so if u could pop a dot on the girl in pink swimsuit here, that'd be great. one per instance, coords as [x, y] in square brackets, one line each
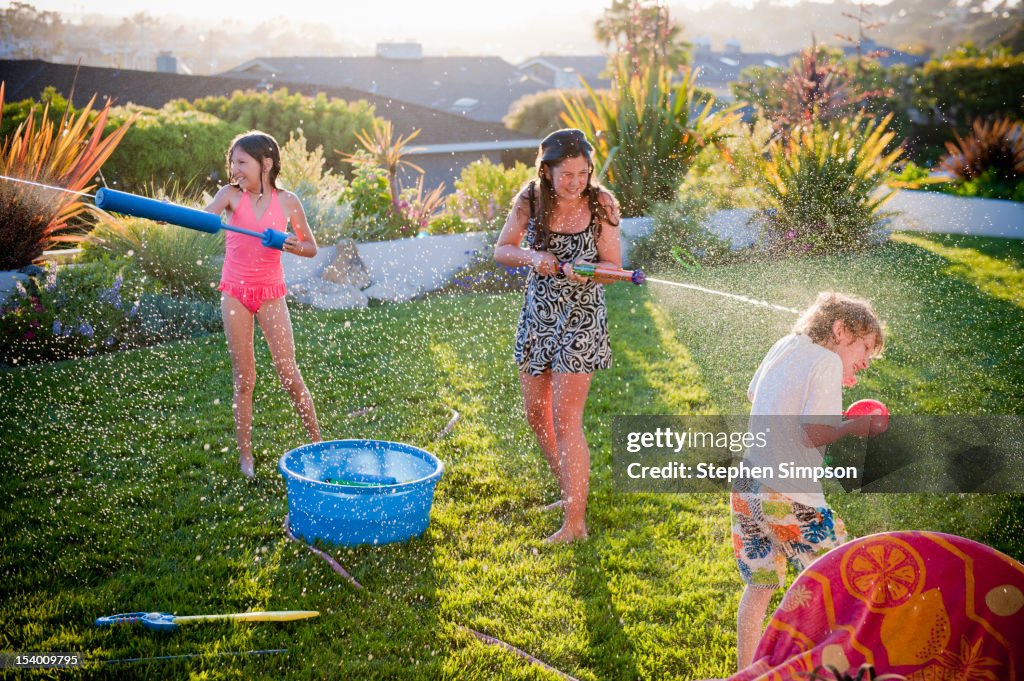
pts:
[252, 280]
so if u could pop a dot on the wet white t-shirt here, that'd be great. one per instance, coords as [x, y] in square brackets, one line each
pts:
[796, 378]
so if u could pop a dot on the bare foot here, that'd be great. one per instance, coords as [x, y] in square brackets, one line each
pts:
[566, 536]
[248, 466]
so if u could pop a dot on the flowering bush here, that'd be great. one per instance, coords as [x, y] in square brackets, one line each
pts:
[419, 207]
[90, 309]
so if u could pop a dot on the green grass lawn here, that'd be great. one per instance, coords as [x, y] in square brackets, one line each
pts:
[122, 493]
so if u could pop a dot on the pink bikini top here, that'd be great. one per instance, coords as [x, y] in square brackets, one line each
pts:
[246, 261]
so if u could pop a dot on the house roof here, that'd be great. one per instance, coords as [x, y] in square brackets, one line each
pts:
[28, 78]
[589, 66]
[718, 69]
[436, 82]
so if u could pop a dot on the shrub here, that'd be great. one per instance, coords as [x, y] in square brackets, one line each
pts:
[168, 145]
[418, 207]
[484, 192]
[163, 318]
[369, 196]
[957, 90]
[326, 122]
[647, 130]
[539, 113]
[68, 155]
[381, 207]
[184, 262]
[15, 113]
[319, 190]
[94, 308]
[823, 187]
[450, 223]
[679, 239]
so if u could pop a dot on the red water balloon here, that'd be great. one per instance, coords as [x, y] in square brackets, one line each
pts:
[866, 408]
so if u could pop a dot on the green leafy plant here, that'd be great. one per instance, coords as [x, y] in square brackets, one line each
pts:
[15, 113]
[722, 184]
[166, 145]
[66, 155]
[647, 130]
[484, 191]
[955, 90]
[386, 150]
[326, 121]
[823, 187]
[95, 307]
[162, 318]
[381, 207]
[369, 196]
[450, 223]
[538, 113]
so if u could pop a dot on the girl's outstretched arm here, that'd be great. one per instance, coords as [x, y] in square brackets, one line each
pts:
[302, 243]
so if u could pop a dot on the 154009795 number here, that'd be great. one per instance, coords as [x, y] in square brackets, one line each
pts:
[39, 660]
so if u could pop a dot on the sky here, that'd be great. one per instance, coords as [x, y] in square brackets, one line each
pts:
[373, 15]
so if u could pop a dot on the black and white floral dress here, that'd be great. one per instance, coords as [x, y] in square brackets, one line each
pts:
[563, 326]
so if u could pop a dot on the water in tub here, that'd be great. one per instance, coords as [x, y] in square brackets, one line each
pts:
[363, 466]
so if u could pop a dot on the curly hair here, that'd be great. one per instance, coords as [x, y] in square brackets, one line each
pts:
[854, 312]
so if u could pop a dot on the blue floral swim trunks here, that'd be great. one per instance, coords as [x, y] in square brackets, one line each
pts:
[770, 529]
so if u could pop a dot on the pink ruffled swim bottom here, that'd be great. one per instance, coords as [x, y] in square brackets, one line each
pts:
[253, 296]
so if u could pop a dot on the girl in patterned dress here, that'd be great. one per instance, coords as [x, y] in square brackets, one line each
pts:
[562, 337]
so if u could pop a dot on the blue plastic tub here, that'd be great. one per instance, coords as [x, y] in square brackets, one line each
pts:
[351, 492]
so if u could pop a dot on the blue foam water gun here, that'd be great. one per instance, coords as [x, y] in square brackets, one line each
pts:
[124, 203]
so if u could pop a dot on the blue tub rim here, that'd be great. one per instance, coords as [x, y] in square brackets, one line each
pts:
[289, 474]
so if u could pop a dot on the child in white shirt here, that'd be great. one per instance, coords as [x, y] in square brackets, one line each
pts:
[778, 521]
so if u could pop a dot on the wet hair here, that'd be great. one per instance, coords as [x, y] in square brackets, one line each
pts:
[554, 149]
[855, 312]
[260, 146]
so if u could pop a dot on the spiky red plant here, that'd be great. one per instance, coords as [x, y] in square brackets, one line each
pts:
[996, 145]
[67, 155]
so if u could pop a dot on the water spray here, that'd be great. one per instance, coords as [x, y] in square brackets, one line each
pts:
[638, 277]
[733, 296]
